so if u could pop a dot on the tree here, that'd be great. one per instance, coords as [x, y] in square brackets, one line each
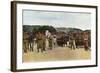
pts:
[50, 28]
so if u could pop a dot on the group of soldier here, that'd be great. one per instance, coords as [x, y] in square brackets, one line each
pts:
[43, 41]
[48, 41]
[84, 41]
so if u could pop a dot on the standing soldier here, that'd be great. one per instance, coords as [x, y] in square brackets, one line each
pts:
[50, 41]
[54, 41]
[25, 41]
[72, 41]
[40, 41]
[31, 40]
[85, 40]
[44, 41]
[47, 39]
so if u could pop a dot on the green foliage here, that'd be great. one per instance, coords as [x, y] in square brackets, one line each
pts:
[50, 28]
[36, 28]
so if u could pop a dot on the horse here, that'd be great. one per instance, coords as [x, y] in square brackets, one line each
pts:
[62, 41]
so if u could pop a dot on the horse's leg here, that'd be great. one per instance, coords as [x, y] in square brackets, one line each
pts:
[29, 46]
[74, 46]
[37, 49]
[32, 46]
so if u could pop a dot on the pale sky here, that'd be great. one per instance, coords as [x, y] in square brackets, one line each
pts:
[57, 19]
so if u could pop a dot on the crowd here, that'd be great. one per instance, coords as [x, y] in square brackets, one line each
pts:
[43, 41]
[48, 41]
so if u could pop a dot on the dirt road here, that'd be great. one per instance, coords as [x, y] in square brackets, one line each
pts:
[59, 53]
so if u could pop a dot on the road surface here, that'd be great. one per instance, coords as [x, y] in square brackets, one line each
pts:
[57, 54]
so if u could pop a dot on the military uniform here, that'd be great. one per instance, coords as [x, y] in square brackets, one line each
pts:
[40, 42]
[50, 42]
[31, 41]
[72, 42]
[85, 37]
[25, 42]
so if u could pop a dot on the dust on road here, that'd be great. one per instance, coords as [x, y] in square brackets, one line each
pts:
[57, 54]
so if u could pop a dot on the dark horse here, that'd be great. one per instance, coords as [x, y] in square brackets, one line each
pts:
[62, 41]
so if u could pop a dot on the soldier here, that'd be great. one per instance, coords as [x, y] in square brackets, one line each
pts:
[50, 41]
[85, 40]
[72, 42]
[47, 39]
[40, 41]
[54, 41]
[44, 41]
[31, 40]
[25, 41]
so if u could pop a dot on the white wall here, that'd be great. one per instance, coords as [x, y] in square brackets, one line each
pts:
[5, 37]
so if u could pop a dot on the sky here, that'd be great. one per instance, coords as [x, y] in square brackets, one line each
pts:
[57, 19]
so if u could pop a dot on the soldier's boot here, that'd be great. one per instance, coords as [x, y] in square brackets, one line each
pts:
[86, 49]
[44, 49]
[25, 51]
